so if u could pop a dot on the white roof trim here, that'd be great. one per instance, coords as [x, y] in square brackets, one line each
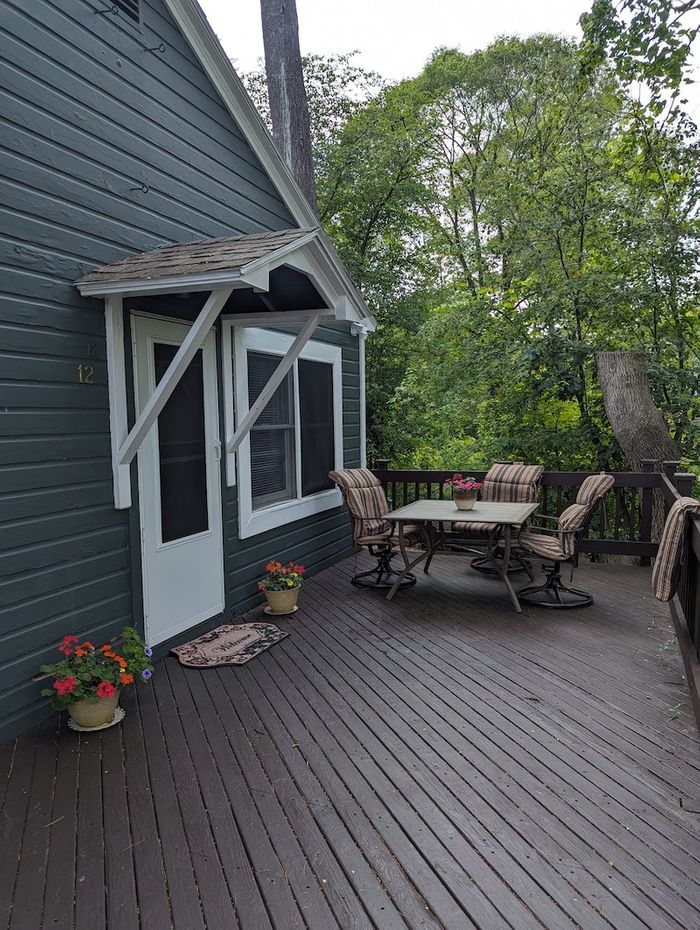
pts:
[196, 29]
[306, 254]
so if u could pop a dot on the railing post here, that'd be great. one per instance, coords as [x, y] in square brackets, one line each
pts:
[390, 491]
[647, 508]
[684, 482]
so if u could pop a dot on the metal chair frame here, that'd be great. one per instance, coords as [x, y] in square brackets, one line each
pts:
[553, 593]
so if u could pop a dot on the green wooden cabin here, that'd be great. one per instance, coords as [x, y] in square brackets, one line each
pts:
[159, 268]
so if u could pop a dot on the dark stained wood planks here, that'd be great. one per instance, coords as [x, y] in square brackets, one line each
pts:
[436, 763]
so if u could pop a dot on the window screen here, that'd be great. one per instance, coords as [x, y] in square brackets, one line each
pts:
[272, 448]
[182, 450]
[317, 428]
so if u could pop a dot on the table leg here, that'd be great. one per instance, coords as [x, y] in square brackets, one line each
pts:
[409, 565]
[503, 568]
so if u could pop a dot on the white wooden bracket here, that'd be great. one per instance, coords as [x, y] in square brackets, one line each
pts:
[174, 372]
[277, 377]
[116, 383]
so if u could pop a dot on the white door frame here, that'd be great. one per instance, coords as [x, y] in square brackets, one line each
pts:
[158, 558]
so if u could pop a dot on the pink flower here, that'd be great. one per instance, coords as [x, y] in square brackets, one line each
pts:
[106, 689]
[65, 685]
[66, 646]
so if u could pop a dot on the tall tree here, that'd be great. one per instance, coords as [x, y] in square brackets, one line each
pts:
[636, 420]
[649, 41]
[289, 109]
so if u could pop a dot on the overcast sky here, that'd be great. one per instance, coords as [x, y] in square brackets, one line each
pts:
[395, 37]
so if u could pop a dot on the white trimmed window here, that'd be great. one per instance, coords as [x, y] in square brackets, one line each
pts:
[283, 462]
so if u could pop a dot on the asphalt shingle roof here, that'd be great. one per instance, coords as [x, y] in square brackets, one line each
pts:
[193, 258]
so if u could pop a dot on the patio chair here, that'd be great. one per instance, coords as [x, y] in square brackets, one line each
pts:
[365, 499]
[505, 482]
[561, 544]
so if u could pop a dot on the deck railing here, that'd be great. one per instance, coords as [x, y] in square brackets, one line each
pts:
[624, 527]
[686, 604]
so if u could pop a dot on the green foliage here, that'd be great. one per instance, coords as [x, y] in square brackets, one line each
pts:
[507, 214]
[649, 41]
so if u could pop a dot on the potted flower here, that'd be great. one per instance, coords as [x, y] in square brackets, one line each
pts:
[464, 490]
[89, 679]
[281, 587]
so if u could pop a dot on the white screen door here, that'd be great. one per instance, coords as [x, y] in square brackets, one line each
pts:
[179, 484]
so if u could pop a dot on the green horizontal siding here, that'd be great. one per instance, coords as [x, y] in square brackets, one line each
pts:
[86, 116]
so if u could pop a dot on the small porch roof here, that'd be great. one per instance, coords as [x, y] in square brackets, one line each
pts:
[243, 261]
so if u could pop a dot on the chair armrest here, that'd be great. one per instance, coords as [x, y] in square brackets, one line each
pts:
[551, 530]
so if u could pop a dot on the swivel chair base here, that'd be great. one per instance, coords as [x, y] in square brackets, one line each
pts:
[554, 594]
[483, 563]
[383, 575]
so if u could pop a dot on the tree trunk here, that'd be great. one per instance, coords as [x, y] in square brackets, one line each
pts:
[285, 84]
[636, 421]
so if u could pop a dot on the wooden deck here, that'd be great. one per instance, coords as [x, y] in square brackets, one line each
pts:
[437, 762]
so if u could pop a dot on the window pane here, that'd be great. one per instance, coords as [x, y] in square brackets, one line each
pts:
[317, 428]
[182, 450]
[272, 457]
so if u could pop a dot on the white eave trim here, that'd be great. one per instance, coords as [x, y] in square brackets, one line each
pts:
[179, 284]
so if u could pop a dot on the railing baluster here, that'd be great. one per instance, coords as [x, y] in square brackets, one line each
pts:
[616, 518]
[647, 509]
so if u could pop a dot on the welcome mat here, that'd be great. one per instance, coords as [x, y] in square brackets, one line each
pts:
[231, 644]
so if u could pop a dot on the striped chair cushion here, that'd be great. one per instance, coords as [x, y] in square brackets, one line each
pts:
[562, 547]
[412, 534]
[664, 577]
[368, 507]
[475, 529]
[594, 487]
[571, 520]
[354, 478]
[547, 547]
[511, 482]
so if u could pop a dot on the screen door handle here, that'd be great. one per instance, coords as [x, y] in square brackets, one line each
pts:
[217, 450]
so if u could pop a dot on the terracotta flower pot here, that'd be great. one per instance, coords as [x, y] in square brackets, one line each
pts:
[464, 500]
[282, 602]
[87, 714]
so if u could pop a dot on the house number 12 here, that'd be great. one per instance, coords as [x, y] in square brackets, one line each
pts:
[86, 374]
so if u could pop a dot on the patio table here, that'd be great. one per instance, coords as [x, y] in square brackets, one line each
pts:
[432, 516]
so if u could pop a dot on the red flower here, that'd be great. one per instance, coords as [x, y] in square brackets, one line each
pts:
[125, 678]
[65, 685]
[106, 689]
[66, 646]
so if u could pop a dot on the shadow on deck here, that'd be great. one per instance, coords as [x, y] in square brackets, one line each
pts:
[437, 762]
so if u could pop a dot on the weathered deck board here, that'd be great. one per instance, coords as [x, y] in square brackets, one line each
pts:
[433, 763]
